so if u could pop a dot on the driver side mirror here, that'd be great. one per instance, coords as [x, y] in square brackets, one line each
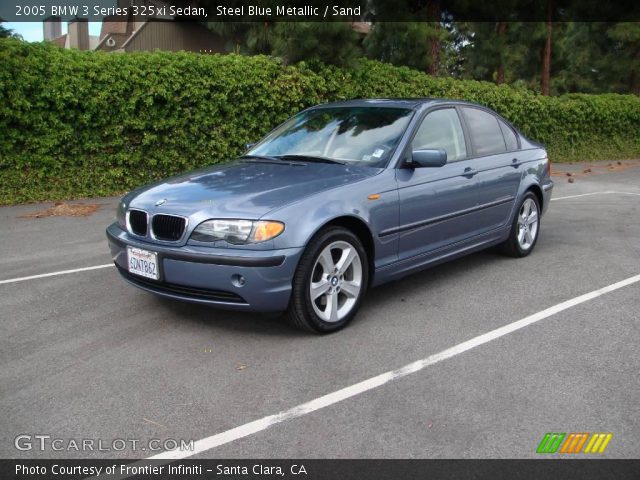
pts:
[435, 157]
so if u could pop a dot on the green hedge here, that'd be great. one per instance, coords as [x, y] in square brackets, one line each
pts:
[76, 124]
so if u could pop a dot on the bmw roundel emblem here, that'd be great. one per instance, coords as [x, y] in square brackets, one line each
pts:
[161, 202]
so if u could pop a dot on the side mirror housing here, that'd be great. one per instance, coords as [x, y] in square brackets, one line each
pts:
[249, 145]
[436, 157]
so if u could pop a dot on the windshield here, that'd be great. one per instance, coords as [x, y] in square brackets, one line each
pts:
[354, 135]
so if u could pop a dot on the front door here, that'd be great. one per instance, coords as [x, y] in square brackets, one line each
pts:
[435, 203]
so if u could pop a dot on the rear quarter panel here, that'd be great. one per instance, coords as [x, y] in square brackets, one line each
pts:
[535, 175]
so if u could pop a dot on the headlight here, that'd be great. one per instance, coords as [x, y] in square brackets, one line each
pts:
[120, 214]
[237, 231]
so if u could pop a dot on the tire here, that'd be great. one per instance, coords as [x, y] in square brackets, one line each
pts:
[338, 289]
[520, 244]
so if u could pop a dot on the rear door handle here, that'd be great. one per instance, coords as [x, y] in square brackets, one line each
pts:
[469, 172]
[515, 163]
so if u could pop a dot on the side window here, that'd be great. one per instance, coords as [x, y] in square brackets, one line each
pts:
[441, 129]
[485, 132]
[509, 136]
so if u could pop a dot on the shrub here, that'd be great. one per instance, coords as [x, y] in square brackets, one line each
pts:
[75, 124]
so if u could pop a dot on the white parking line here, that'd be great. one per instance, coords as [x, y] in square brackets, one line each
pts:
[53, 274]
[610, 192]
[379, 380]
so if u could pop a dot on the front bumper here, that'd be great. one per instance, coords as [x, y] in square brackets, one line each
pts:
[206, 275]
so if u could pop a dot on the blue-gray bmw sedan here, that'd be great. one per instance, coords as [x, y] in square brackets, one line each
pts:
[340, 198]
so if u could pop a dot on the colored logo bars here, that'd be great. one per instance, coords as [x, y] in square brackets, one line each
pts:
[573, 443]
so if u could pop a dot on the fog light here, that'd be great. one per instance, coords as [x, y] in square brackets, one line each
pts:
[238, 280]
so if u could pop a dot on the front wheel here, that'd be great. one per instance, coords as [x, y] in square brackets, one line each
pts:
[330, 282]
[525, 228]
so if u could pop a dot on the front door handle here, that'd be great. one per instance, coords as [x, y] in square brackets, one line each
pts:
[515, 163]
[469, 172]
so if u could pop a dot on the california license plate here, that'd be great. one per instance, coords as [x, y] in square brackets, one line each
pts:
[143, 262]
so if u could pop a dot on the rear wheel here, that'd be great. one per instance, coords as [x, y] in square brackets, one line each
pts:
[525, 228]
[330, 282]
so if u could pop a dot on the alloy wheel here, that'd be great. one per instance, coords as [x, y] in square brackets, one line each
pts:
[336, 281]
[528, 219]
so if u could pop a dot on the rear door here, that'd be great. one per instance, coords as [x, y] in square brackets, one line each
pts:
[495, 148]
[434, 202]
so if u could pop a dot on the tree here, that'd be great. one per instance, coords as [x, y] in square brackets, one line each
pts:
[546, 55]
[245, 37]
[625, 54]
[405, 43]
[6, 32]
[419, 41]
[549, 55]
[434, 37]
[494, 51]
[597, 57]
[580, 54]
[334, 43]
[501, 33]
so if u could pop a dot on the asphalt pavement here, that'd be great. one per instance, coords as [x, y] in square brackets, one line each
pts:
[83, 355]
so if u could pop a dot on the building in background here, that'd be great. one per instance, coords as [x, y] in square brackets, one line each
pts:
[77, 35]
[52, 28]
[133, 34]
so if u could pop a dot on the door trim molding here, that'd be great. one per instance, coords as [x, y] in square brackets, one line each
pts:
[443, 218]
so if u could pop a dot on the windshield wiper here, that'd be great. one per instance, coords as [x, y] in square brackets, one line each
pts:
[261, 157]
[311, 158]
[272, 160]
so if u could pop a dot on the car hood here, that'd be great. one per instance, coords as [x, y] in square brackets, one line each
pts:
[243, 189]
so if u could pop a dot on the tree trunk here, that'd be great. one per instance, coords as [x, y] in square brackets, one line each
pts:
[546, 55]
[434, 54]
[501, 30]
[634, 81]
[433, 13]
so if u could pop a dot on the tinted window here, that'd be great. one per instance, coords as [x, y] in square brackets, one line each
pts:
[509, 137]
[485, 132]
[358, 135]
[441, 129]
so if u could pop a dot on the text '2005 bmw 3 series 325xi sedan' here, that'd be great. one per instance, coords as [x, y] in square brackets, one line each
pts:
[339, 198]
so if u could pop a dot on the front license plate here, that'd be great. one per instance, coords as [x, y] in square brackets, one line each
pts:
[143, 262]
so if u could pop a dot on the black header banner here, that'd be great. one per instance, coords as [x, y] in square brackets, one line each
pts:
[323, 10]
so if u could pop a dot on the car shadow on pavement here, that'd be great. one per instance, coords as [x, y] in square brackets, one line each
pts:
[273, 324]
[414, 285]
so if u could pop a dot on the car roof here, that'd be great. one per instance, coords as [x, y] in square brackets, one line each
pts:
[412, 103]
